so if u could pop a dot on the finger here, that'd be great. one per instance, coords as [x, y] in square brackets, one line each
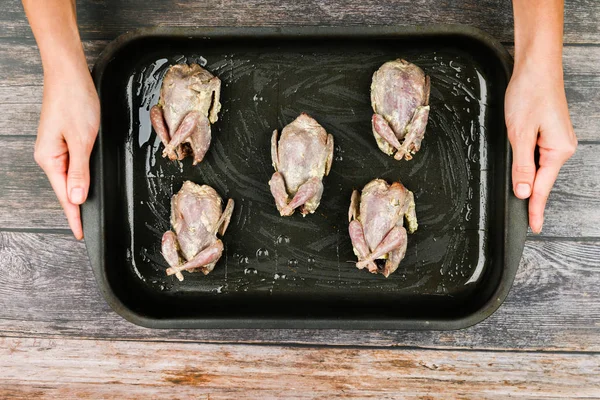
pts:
[58, 179]
[78, 175]
[523, 166]
[544, 180]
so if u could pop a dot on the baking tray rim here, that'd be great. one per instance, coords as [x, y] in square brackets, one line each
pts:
[515, 227]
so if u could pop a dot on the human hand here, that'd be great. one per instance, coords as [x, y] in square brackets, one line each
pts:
[67, 131]
[537, 114]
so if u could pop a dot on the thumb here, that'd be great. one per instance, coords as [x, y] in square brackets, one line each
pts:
[78, 175]
[523, 166]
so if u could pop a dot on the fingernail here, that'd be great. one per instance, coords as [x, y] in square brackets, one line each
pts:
[77, 195]
[523, 190]
[537, 230]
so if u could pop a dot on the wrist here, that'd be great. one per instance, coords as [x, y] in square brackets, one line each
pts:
[62, 53]
[540, 67]
[539, 53]
[540, 56]
[65, 64]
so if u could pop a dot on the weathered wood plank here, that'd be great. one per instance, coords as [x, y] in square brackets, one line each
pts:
[27, 200]
[574, 205]
[107, 19]
[21, 80]
[118, 369]
[21, 119]
[582, 86]
[20, 65]
[47, 290]
[583, 97]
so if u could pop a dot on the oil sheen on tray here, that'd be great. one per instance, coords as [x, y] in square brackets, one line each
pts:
[265, 252]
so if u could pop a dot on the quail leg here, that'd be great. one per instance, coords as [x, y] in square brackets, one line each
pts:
[396, 255]
[209, 255]
[200, 138]
[359, 245]
[187, 127]
[395, 238]
[414, 135]
[170, 251]
[158, 123]
[393, 261]
[384, 135]
[307, 197]
[279, 192]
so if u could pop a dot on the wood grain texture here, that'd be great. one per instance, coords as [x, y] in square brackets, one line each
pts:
[108, 19]
[20, 66]
[21, 91]
[49, 368]
[47, 290]
[27, 200]
[573, 207]
[582, 87]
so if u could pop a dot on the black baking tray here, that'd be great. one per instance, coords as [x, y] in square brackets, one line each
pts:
[299, 272]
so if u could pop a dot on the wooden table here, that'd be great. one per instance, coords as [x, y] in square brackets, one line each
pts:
[58, 337]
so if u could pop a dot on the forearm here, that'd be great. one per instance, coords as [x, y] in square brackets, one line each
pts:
[538, 34]
[54, 25]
